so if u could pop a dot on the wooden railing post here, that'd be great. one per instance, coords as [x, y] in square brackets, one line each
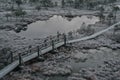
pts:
[45, 43]
[65, 39]
[53, 45]
[20, 59]
[38, 49]
[30, 48]
[11, 55]
[58, 36]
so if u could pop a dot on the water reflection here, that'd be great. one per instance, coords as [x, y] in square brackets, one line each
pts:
[56, 23]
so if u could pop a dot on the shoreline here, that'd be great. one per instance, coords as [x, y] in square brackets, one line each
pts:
[40, 16]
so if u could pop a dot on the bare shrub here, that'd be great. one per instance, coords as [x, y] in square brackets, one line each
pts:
[86, 30]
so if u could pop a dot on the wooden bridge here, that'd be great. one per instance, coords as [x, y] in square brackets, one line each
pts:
[37, 51]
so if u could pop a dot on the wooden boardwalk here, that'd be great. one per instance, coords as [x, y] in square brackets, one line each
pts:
[16, 63]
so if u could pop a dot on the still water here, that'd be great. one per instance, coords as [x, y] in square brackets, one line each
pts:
[56, 23]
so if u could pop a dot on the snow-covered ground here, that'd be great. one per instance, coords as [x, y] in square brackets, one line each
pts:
[92, 59]
[95, 59]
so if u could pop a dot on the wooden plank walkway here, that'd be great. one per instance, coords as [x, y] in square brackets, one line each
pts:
[14, 64]
[94, 35]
